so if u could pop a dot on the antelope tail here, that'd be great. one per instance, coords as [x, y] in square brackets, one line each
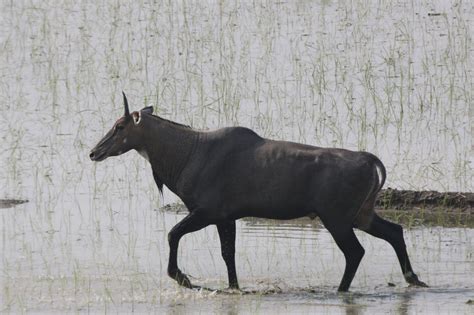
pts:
[381, 168]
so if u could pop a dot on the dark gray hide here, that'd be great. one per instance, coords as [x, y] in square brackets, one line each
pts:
[231, 173]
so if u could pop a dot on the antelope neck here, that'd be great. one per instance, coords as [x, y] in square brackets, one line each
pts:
[168, 147]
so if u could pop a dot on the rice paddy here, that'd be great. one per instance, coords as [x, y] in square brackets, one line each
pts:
[391, 77]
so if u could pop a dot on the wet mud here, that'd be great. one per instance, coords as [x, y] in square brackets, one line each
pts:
[428, 200]
[9, 203]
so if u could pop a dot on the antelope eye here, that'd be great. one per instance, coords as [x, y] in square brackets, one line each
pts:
[120, 127]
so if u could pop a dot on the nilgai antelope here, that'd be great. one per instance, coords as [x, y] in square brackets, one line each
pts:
[231, 173]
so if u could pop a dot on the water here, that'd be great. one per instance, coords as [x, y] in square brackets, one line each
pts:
[290, 266]
[393, 78]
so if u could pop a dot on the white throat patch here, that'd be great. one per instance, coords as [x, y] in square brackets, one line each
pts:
[144, 154]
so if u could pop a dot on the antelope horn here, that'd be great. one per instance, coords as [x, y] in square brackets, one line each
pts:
[125, 103]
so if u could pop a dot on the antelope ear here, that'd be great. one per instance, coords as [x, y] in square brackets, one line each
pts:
[137, 117]
[147, 110]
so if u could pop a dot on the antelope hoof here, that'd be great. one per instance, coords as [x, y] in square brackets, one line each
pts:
[234, 286]
[181, 278]
[342, 289]
[418, 283]
[233, 289]
[184, 281]
[413, 281]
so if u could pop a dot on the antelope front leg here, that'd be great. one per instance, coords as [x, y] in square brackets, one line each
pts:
[191, 223]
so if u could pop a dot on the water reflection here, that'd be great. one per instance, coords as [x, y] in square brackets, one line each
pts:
[407, 218]
[404, 302]
[297, 229]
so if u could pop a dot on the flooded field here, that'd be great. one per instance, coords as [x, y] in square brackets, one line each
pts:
[393, 78]
[283, 267]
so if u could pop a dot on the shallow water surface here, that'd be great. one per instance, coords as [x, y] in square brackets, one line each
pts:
[283, 266]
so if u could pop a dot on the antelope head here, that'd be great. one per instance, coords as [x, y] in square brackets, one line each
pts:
[124, 135]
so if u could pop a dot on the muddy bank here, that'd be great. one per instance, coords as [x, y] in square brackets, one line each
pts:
[8, 203]
[395, 199]
[431, 208]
